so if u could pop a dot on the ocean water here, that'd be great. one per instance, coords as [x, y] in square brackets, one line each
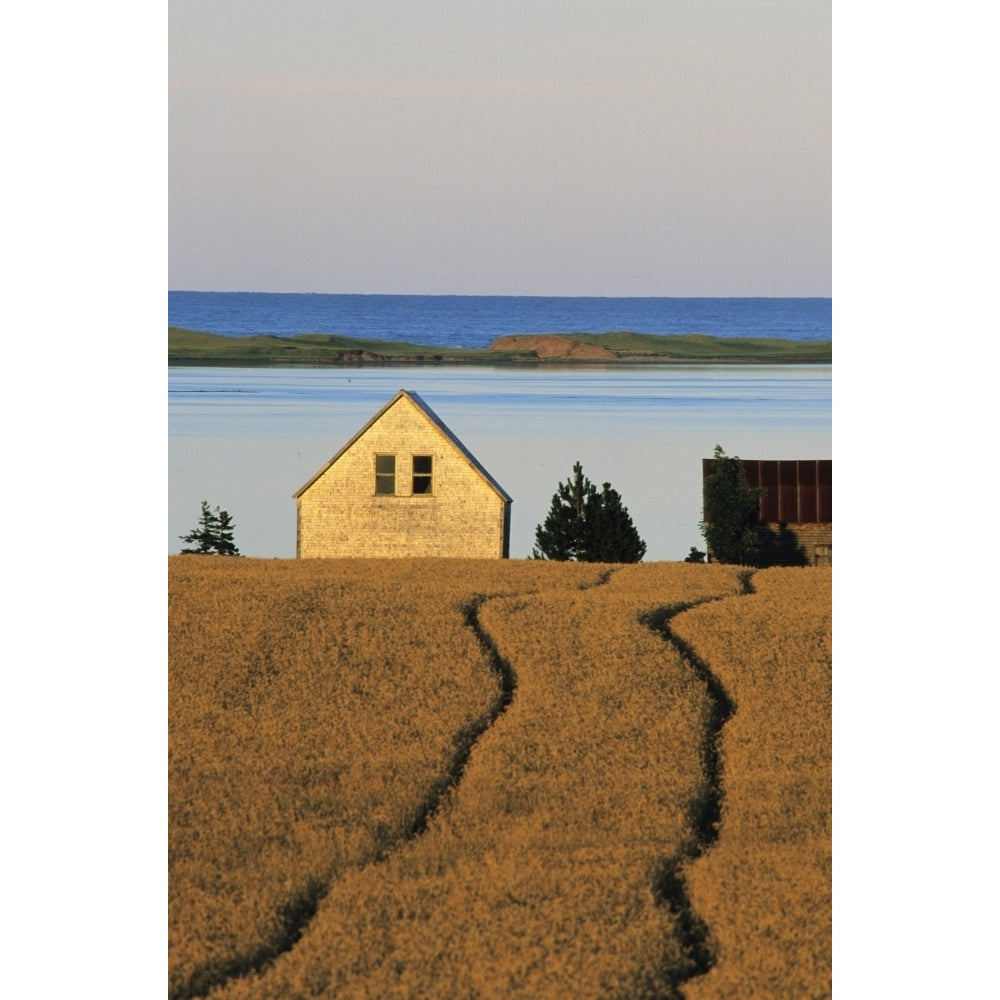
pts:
[475, 321]
[246, 439]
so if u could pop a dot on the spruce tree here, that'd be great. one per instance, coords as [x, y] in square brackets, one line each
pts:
[587, 526]
[224, 527]
[612, 537]
[204, 535]
[214, 534]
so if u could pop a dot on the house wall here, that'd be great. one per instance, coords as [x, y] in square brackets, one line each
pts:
[341, 515]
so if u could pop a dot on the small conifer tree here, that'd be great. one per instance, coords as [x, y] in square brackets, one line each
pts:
[214, 534]
[588, 526]
[224, 528]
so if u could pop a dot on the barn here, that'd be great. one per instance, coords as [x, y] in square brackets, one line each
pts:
[795, 520]
[404, 485]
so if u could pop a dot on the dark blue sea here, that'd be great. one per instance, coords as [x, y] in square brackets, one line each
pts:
[475, 321]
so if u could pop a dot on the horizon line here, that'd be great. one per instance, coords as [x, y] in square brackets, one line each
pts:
[476, 295]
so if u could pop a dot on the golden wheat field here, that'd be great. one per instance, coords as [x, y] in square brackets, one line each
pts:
[431, 778]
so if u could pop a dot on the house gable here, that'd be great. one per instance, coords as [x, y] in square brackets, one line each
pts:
[403, 485]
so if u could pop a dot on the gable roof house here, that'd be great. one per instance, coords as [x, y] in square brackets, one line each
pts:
[404, 485]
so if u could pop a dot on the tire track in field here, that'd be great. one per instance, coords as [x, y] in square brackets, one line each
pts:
[705, 811]
[298, 913]
[468, 737]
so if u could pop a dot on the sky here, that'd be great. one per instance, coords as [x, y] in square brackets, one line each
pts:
[516, 148]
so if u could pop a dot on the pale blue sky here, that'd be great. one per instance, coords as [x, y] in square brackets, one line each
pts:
[677, 147]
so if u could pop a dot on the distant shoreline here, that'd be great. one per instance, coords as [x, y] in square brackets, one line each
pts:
[192, 347]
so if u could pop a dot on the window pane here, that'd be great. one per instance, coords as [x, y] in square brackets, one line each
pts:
[421, 474]
[385, 474]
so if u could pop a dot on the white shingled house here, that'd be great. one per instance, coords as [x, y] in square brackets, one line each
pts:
[404, 485]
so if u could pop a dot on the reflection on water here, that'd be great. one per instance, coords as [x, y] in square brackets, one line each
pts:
[247, 439]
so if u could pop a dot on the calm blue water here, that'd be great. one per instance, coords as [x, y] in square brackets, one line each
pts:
[475, 321]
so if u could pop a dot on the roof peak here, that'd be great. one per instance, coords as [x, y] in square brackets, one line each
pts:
[421, 404]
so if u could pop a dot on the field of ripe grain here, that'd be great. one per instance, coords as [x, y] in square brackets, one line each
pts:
[770, 870]
[427, 778]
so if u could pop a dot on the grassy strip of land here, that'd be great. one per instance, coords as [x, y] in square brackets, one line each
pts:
[701, 347]
[191, 347]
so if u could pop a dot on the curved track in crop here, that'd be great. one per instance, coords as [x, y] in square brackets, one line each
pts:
[668, 883]
[298, 912]
[706, 811]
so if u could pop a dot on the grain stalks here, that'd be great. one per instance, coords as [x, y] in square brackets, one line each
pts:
[565, 732]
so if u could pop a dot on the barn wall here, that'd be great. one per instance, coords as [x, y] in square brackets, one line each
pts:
[796, 509]
[796, 491]
[790, 543]
[817, 540]
[341, 515]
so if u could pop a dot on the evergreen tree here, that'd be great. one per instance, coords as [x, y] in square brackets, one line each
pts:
[729, 514]
[204, 535]
[561, 535]
[224, 528]
[587, 526]
[613, 536]
[214, 533]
